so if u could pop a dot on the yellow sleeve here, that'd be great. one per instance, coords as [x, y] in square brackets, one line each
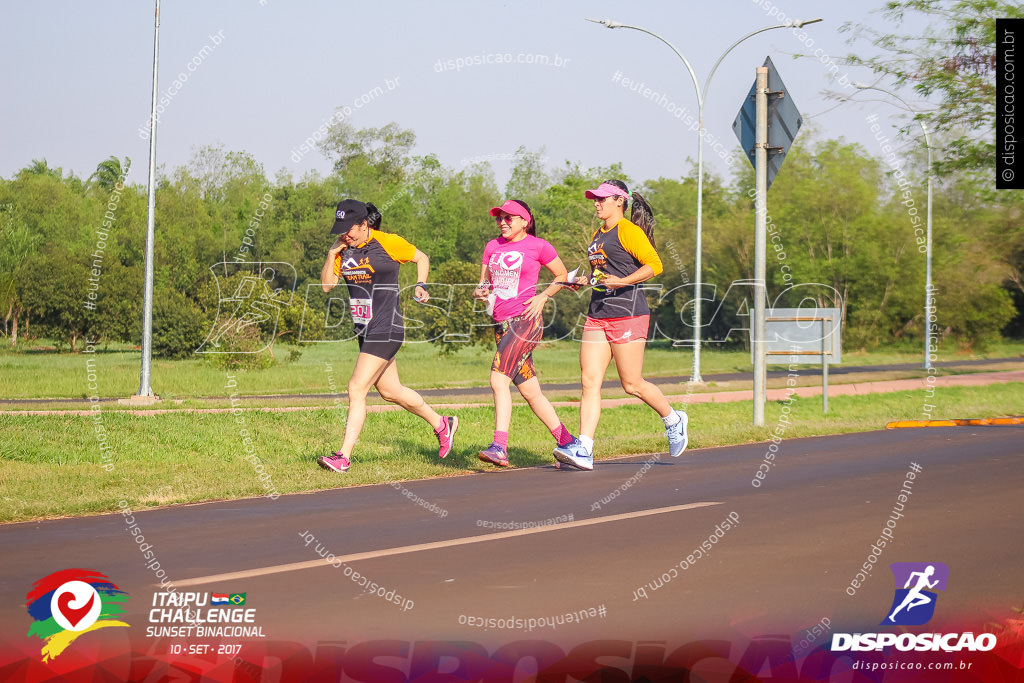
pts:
[636, 243]
[337, 264]
[397, 247]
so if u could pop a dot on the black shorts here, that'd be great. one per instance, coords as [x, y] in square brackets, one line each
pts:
[381, 348]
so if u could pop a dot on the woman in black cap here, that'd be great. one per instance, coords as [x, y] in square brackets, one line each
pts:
[368, 260]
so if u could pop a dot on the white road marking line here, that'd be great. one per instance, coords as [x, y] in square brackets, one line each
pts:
[319, 562]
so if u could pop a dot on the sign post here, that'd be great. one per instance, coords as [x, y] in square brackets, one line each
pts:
[760, 243]
[766, 125]
[805, 335]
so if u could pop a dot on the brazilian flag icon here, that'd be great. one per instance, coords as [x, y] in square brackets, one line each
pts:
[237, 598]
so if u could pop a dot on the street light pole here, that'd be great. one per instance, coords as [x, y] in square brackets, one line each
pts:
[928, 298]
[145, 390]
[701, 96]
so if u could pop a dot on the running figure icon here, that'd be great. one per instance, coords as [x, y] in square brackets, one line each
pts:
[915, 597]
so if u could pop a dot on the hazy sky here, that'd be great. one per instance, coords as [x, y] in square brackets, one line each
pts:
[265, 74]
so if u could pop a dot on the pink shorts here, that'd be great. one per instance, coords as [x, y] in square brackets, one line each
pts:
[620, 330]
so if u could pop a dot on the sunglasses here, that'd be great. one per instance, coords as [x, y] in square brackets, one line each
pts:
[507, 218]
[601, 200]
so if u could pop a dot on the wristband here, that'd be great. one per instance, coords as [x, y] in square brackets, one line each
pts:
[421, 284]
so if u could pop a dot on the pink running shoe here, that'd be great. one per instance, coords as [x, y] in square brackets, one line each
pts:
[336, 463]
[446, 435]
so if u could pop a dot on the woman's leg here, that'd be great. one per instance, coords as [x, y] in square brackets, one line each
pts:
[367, 371]
[539, 403]
[629, 360]
[595, 354]
[515, 340]
[393, 391]
[502, 390]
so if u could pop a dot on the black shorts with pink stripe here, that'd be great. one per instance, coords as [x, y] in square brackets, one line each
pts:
[516, 339]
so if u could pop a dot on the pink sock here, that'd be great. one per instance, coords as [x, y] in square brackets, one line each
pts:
[562, 435]
[501, 438]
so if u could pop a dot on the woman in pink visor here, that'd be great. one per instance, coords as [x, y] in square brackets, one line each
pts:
[508, 282]
[621, 255]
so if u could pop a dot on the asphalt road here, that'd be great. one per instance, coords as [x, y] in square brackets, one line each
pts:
[794, 545]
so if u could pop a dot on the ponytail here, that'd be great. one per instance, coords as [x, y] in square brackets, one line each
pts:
[373, 216]
[643, 215]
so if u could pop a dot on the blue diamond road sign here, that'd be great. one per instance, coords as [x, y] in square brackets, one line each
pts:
[784, 121]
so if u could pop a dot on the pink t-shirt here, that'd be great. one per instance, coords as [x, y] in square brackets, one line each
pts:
[515, 269]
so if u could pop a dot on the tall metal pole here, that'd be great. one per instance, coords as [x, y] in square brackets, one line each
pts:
[757, 332]
[145, 390]
[701, 98]
[929, 299]
[928, 293]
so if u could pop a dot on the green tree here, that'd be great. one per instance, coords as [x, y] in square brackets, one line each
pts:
[179, 327]
[453, 319]
[109, 173]
[119, 303]
[17, 244]
[566, 217]
[529, 177]
[40, 167]
[953, 60]
[57, 293]
[387, 149]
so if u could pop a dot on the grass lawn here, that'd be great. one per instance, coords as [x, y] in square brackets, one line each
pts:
[52, 466]
[323, 368]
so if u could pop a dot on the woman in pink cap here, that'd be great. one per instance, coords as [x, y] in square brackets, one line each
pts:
[508, 282]
[621, 255]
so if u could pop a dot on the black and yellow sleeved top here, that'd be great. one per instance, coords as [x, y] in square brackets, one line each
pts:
[621, 251]
[370, 271]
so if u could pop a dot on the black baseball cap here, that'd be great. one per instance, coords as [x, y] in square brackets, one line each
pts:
[349, 212]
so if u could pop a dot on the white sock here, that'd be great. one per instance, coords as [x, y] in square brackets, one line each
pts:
[672, 419]
[588, 443]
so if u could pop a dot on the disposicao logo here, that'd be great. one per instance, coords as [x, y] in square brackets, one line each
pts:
[913, 604]
[69, 603]
[918, 579]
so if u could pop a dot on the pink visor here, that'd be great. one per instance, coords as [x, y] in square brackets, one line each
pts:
[606, 190]
[513, 208]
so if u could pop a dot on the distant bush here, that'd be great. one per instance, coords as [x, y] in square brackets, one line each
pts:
[178, 325]
[242, 349]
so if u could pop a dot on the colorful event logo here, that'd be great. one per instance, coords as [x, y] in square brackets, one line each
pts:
[68, 603]
[914, 603]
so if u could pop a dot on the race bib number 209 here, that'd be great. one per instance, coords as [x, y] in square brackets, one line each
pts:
[362, 311]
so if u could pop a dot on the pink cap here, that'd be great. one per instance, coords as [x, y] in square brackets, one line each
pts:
[606, 190]
[513, 208]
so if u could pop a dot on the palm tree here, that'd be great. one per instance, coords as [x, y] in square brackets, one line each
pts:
[109, 173]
